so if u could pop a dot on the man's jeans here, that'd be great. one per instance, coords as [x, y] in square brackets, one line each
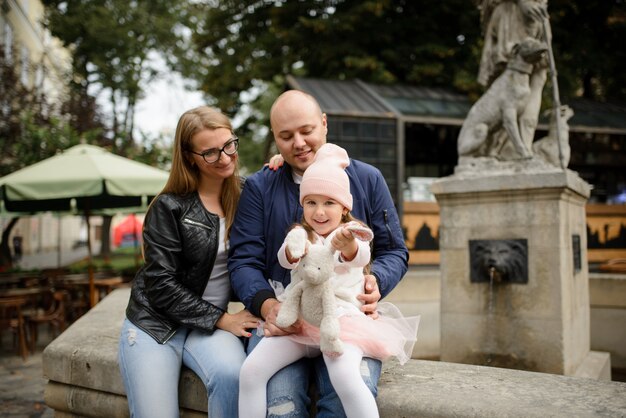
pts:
[151, 370]
[288, 389]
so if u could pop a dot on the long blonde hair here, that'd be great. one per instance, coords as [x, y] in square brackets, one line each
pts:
[184, 177]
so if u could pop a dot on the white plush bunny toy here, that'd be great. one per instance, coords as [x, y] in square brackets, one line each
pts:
[313, 296]
[311, 293]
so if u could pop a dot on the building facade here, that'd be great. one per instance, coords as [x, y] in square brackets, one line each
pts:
[42, 65]
[40, 59]
[410, 133]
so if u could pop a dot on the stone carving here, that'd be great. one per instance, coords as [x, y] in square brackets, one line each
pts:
[499, 260]
[556, 144]
[507, 25]
[503, 105]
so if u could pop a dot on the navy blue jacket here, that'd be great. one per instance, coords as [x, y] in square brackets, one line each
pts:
[269, 206]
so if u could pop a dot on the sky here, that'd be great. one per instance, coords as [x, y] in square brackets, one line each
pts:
[166, 99]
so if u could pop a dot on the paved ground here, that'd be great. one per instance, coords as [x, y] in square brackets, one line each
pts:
[22, 382]
[52, 259]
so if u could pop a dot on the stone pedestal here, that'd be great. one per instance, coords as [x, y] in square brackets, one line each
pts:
[541, 325]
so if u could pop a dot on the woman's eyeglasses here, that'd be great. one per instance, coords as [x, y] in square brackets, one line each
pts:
[211, 156]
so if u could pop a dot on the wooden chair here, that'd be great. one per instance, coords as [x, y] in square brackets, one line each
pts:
[55, 316]
[75, 285]
[11, 318]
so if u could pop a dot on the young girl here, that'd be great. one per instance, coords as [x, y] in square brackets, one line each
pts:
[326, 200]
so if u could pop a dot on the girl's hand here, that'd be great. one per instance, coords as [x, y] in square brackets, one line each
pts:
[276, 161]
[345, 242]
[238, 323]
[291, 259]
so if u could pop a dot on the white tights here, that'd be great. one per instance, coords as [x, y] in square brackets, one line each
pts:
[274, 353]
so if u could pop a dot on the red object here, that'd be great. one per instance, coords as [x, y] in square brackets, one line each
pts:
[127, 232]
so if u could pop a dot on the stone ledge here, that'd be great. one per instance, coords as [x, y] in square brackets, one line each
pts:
[437, 389]
[84, 380]
[515, 179]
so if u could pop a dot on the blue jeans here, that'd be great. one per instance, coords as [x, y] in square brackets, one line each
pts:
[288, 389]
[151, 371]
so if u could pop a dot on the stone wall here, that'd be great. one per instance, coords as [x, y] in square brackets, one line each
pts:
[84, 381]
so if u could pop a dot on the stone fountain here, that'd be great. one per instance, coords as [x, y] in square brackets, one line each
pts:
[515, 286]
[513, 245]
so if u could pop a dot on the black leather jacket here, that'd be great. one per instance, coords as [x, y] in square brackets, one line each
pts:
[180, 246]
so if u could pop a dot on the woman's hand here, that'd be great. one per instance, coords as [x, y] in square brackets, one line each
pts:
[238, 323]
[276, 161]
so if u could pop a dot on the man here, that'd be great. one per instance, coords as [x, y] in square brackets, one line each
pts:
[269, 205]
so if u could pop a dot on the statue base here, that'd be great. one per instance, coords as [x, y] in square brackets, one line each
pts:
[542, 325]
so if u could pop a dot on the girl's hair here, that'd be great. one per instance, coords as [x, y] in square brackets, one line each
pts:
[185, 176]
[310, 233]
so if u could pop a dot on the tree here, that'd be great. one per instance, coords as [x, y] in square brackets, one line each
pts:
[6, 261]
[112, 42]
[249, 46]
[241, 44]
[31, 129]
[589, 59]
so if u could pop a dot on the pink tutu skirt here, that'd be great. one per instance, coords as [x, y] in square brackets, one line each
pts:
[391, 335]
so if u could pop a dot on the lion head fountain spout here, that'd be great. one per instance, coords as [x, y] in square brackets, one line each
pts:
[494, 275]
[499, 261]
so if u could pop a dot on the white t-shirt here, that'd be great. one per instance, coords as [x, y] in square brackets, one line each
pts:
[217, 290]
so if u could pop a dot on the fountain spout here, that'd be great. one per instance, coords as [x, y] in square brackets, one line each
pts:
[494, 275]
[499, 261]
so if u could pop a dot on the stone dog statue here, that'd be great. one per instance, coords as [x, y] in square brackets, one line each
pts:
[547, 148]
[502, 104]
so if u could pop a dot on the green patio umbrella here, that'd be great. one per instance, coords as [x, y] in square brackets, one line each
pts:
[84, 179]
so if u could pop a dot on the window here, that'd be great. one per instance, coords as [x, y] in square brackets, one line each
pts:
[7, 40]
[24, 68]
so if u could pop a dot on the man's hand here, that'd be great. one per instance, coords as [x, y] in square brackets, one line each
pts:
[269, 311]
[371, 296]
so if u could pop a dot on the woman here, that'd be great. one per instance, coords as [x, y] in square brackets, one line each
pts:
[177, 309]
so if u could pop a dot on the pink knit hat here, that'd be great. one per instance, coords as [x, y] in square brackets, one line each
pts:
[327, 176]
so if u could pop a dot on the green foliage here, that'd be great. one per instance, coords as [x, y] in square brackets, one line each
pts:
[31, 128]
[239, 43]
[152, 151]
[429, 43]
[121, 260]
[588, 42]
[112, 43]
[256, 140]
[239, 51]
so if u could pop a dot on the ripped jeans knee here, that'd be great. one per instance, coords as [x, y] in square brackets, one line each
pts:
[283, 407]
[131, 336]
